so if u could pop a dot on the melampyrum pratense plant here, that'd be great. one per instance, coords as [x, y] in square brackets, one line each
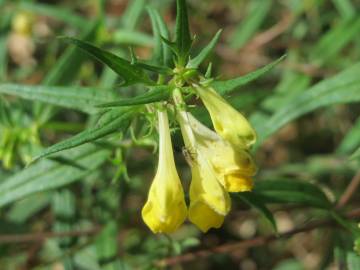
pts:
[220, 160]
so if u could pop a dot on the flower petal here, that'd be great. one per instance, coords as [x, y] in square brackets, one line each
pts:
[233, 167]
[238, 183]
[228, 122]
[204, 217]
[165, 209]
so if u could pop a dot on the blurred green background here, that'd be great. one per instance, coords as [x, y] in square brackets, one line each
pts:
[57, 215]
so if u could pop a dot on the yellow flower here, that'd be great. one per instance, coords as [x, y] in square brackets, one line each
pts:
[165, 209]
[209, 202]
[22, 23]
[233, 167]
[228, 122]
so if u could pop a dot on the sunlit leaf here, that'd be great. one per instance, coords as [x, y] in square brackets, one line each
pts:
[73, 97]
[47, 174]
[157, 93]
[112, 121]
[342, 88]
[225, 87]
[162, 53]
[196, 61]
[131, 74]
[292, 191]
[256, 15]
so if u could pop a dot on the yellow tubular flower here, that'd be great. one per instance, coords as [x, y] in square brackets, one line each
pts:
[209, 202]
[228, 122]
[234, 168]
[165, 209]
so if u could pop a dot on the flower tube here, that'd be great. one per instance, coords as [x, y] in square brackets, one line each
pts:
[209, 201]
[165, 209]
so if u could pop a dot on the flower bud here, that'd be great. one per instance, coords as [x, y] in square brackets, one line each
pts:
[228, 122]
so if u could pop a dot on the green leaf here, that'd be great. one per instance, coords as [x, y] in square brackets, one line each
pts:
[170, 45]
[156, 94]
[25, 209]
[55, 12]
[335, 40]
[292, 191]
[355, 155]
[132, 14]
[74, 97]
[253, 200]
[47, 175]
[132, 37]
[131, 74]
[195, 62]
[257, 13]
[65, 70]
[342, 88]
[351, 140]
[157, 69]
[63, 208]
[107, 247]
[352, 261]
[225, 87]
[345, 8]
[68, 66]
[3, 57]
[162, 54]
[112, 121]
[183, 38]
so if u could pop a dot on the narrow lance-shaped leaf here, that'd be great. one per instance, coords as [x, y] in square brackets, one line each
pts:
[47, 174]
[74, 97]
[253, 200]
[132, 37]
[66, 70]
[256, 15]
[156, 94]
[162, 53]
[112, 121]
[131, 74]
[195, 62]
[132, 14]
[292, 191]
[54, 12]
[183, 38]
[157, 69]
[342, 88]
[68, 65]
[225, 87]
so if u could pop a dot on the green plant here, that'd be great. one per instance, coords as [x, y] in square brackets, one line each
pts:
[115, 124]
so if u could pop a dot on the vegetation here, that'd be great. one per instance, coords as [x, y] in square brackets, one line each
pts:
[129, 142]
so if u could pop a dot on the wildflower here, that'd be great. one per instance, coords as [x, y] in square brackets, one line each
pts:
[165, 209]
[233, 167]
[228, 122]
[209, 202]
